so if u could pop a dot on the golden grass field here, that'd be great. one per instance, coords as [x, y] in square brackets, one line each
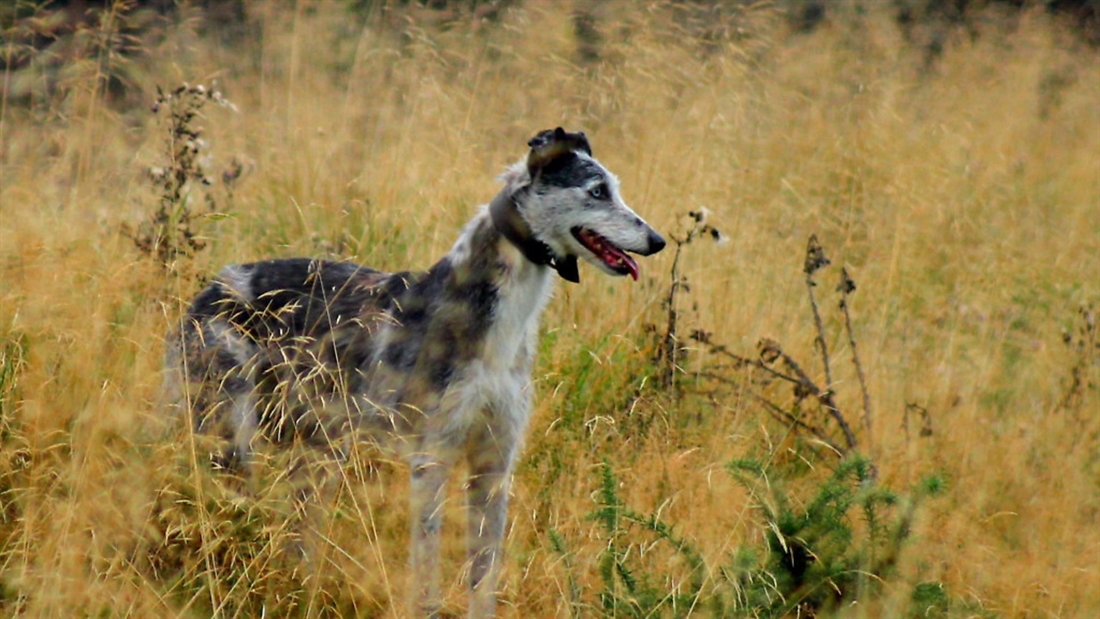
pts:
[962, 196]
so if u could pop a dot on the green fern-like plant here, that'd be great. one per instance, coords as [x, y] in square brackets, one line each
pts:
[833, 548]
[629, 590]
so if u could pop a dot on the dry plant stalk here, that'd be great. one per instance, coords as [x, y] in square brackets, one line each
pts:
[815, 261]
[671, 351]
[846, 287]
[172, 232]
[776, 364]
[1086, 347]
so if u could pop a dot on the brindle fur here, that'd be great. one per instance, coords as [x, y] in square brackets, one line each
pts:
[435, 365]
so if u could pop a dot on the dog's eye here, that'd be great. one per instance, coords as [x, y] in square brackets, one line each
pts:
[598, 192]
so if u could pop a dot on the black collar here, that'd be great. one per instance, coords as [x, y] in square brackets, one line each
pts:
[508, 221]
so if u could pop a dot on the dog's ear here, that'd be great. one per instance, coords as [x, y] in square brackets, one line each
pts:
[551, 146]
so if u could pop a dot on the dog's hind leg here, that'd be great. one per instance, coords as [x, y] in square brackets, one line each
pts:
[315, 479]
[244, 429]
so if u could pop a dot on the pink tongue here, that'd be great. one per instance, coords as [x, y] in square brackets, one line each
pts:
[612, 256]
[633, 266]
[616, 259]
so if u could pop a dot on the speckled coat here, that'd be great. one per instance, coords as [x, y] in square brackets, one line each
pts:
[435, 365]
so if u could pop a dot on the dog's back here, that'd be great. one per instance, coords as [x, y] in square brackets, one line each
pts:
[265, 342]
[309, 350]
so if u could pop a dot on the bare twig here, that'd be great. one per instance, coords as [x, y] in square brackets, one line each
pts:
[775, 363]
[815, 261]
[770, 352]
[670, 348]
[804, 386]
[740, 362]
[848, 286]
[671, 352]
[781, 415]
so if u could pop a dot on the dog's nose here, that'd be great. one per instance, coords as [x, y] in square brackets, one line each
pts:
[656, 242]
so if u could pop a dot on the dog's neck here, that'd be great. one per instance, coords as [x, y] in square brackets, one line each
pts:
[510, 223]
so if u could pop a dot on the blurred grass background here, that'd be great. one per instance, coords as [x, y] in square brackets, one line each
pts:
[949, 160]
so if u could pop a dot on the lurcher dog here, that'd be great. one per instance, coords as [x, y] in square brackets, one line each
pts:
[435, 365]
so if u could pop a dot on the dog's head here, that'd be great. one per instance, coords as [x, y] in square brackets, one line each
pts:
[571, 204]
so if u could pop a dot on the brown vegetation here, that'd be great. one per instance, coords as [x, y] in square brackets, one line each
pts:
[961, 195]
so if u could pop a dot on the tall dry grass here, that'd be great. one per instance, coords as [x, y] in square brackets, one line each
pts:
[964, 198]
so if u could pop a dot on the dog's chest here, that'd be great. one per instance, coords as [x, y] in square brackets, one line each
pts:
[513, 329]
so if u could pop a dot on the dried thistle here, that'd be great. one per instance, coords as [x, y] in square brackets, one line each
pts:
[172, 231]
[773, 364]
[1085, 345]
[815, 257]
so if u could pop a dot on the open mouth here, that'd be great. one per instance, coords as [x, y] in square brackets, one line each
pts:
[606, 251]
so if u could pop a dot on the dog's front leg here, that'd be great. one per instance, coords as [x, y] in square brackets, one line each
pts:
[490, 451]
[486, 520]
[426, 493]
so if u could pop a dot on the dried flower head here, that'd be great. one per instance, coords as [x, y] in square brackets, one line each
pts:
[815, 257]
[847, 285]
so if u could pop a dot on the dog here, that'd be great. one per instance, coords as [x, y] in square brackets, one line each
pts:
[434, 365]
